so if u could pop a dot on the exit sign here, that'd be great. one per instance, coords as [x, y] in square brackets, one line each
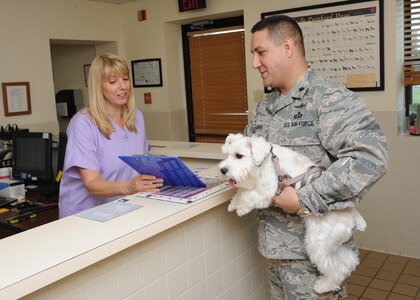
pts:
[185, 5]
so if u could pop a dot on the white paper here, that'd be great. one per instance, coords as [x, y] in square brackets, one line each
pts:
[109, 210]
[17, 98]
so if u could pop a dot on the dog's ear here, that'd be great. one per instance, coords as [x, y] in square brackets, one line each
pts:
[259, 149]
[231, 137]
[229, 140]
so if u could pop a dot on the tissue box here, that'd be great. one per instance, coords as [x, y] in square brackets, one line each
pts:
[12, 188]
[5, 173]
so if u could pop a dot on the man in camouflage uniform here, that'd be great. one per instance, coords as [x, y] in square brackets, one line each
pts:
[324, 121]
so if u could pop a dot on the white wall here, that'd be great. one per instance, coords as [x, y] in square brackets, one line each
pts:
[26, 55]
[160, 36]
[27, 27]
[67, 64]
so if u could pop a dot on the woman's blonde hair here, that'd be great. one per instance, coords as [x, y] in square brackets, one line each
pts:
[102, 67]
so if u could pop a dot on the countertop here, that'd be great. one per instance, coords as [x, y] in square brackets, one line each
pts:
[45, 254]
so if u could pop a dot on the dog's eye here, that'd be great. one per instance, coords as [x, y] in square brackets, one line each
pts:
[238, 156]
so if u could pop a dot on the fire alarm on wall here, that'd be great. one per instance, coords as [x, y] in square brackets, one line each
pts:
[148, 98]
[141, 15]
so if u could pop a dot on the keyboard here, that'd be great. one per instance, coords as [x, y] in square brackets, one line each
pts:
[36, 207]
[5, 201]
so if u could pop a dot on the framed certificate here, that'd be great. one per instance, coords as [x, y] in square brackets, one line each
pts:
[16, 98]
[147, 72]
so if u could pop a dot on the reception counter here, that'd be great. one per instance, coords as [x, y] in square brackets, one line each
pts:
[162, 250]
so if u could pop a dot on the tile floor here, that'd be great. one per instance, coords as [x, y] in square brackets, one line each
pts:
[384, 276]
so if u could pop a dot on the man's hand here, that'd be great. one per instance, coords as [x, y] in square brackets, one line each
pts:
[287, 200]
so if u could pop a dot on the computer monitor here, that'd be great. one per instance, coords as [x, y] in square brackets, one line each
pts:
[32, 156]
[68, 102]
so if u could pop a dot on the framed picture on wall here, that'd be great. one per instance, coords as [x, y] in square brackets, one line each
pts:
[147, 72]
[344, 41]
[16, 98]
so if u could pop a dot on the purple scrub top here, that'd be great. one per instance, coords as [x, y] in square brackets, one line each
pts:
[88, 148]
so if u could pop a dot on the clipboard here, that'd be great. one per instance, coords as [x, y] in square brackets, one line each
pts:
[170, 168]
[181, 185]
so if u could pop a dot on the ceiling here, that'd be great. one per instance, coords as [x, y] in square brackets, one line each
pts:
[113, 1]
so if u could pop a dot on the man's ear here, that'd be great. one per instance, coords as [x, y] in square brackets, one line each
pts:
[289, 46]
[259, 149]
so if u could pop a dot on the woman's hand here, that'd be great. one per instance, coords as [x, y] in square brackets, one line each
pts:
[144, 183]
[97, 186]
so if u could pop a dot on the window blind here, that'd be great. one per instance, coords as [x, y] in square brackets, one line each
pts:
[411, 42]
[218, 80]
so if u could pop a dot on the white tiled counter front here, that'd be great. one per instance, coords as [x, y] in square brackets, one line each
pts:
[161, 251]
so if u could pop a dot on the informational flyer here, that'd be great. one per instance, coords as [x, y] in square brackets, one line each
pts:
[109, 210]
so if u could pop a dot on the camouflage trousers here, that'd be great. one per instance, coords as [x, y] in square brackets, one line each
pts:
[293, 279]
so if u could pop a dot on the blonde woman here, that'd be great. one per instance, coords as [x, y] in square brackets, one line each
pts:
[108, 127]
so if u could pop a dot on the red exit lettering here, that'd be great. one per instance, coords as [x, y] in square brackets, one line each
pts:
[190, 4]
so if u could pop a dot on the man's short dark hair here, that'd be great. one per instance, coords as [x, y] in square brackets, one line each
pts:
[280, 27]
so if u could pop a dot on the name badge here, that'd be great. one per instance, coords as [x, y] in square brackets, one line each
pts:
[300, 123]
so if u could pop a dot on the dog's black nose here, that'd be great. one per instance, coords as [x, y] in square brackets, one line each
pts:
[223, 171]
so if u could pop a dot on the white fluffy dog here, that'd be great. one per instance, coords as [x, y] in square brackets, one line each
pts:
[250, 168]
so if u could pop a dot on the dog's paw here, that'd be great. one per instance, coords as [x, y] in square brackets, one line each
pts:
[231, 207]
[263, 203]
[324, 285]
[240, 211]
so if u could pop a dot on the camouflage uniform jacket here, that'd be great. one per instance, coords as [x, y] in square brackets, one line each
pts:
[333, 127]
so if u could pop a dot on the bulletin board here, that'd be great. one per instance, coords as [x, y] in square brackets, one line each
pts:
[344, 41]
[147, 72]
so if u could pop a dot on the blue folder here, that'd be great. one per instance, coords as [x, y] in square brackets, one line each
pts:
[170, 168]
